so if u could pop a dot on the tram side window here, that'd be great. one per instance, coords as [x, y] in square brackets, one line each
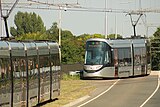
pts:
[4, 69]
[19, 67]
[143, 55]
[23, 67]
[32, 64]
[16, 69]
[44, 65]
[58, 61]
[148, 55]
[55, 62]
[124, 57]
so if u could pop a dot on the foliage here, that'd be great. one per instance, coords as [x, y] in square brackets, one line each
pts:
[80, 45]
[114, 36]
[72, 51]
[32, 36]
[155, 49]
[53, 32]
[27, 23]
[67, 35]
[84, 37]
[72, 47]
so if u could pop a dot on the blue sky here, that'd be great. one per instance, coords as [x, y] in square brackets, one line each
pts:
[80, 22]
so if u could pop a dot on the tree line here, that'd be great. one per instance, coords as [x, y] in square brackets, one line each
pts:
[155, 50]
[29, 26]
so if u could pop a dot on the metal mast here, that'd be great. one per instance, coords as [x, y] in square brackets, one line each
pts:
[5, 17]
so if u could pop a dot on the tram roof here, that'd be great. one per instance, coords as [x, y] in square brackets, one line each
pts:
[3, 45]
[18, 47]
[118, 43]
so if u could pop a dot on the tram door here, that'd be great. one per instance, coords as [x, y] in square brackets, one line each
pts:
[44, 78]
[55, 64]
[55, 70]
[44, 71]
[32, 67]
[19, 81]
[116, 62]
[5, 75]
[140, 60]
[19, 74]
[5, 81]
[124, 62]
[33, 80]
[143, 61]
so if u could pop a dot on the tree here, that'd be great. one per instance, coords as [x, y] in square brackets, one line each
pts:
[155, 50]
[67, 35]
[84, 37]
[71, 48]
[113, 36]
[72, 51]
[27, 23]
[53, 32]
[33, 36]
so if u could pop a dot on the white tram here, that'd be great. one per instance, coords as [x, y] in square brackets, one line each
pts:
[29, 72]
[116, 58]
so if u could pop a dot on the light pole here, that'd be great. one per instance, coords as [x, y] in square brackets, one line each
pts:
[115, 26]
[106, 21]
[59, 24]
[59, 30]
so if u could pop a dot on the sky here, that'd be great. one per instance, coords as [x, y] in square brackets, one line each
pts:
[84, 22]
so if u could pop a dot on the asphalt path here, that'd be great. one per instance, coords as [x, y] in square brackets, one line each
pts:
[154, 101]
[128, 92]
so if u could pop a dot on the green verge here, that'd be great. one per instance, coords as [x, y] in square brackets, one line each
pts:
[72, 88]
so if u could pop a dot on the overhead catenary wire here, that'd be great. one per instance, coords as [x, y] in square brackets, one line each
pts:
[11, 8]
[76, 7]
[5, 17]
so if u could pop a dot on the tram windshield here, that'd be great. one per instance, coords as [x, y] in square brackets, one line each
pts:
[97, 53]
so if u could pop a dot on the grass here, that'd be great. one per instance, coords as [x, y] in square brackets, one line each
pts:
[72, 88]
[69, 77]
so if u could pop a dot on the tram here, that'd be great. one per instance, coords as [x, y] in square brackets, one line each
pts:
[116, 58]
[29, 72]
